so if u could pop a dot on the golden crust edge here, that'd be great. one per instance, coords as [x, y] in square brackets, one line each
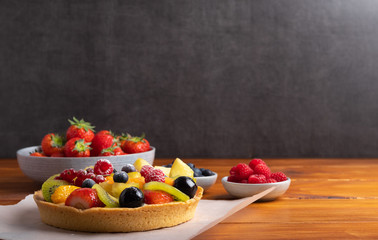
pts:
[147, 217]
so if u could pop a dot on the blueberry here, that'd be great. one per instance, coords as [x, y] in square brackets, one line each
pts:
[129, 168]
[88, 183]
[191, 165]
[186, 185]
[131, 197]
[115, 170]
[207, 172]
[167, 165]
[197, 172]
[120, 177]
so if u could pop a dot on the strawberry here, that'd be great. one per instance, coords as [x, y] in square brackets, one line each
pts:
[37, 154]
[112, 151]
[77, 147]
[58, 154]
[80, 129]
[157, 197]
[52, 144]
[84, 198]
[136, 145]
[101, 142]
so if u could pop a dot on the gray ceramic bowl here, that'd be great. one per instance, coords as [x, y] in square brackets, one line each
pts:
[41, 168]
[206, 181]
[241, 190]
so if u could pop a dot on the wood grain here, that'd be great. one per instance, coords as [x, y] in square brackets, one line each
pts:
[328, 199]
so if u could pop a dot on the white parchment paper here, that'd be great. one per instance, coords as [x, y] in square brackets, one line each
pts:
[22, 221]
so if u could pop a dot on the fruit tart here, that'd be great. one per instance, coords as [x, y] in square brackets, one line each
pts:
[138, 197]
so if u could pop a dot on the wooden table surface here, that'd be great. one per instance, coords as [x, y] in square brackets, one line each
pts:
[327, 199]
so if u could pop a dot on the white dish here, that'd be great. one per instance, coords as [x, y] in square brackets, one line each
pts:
[41, 168]
[206, 181]
[241, 190]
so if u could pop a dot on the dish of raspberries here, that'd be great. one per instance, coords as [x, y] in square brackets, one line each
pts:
[256, 172]
[81, 140]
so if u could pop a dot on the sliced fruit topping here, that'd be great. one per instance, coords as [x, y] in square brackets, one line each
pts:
[131, 197]
[179, 168]
[62, 192]
[103, 167]
[128, 168]
[159, 186]
[166, 170]
[157, 197]
[88, 183]
[117, 188]
[120, 177]
[134, 175]
[139, 163]
[84, 198]
[156, 175]
[105, 197]
[49, 187]
[186, 185]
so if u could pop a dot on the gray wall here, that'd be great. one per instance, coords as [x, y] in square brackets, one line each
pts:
[214, 78]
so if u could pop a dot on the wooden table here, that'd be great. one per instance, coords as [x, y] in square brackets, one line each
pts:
[328, 199]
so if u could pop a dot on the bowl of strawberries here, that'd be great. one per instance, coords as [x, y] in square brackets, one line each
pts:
[246, 180]
[81, 146]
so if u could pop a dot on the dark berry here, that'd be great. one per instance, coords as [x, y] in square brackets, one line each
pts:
[207, 172]
[89, 170]
[167, 165]
[115, 170]
[129, 168]
[191, 165]
[120, 177]
[131, 197]
[186, 185]
[69, 175]
[88, 183]
[197, 172]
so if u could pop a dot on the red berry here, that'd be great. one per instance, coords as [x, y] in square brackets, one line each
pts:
[254, 162]
[262, 169]
[156, 175]
[233, 171]
[84, 198]
[233, 178]
[257, 178]
[103, 167]
[271, 180]
[157, 197]
[69, 175]
[279, 176]
[146, 169]
[99, 179]
[243, 171]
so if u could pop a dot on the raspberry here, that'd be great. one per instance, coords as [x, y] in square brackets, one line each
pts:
[99, 179]
[156, 175]
[279, 176]
[233, 178]
[271, 180]
[257, 178]
[243, 171]
[68, 175]
[103, 167]
[233, 171]
[146, 169]
[262, 169]
[254, 162]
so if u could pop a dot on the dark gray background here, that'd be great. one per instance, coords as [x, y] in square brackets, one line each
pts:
[214, 78]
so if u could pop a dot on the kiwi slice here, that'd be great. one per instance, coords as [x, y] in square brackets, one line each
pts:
[49, 187]
[105, 197]
[177, 194]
